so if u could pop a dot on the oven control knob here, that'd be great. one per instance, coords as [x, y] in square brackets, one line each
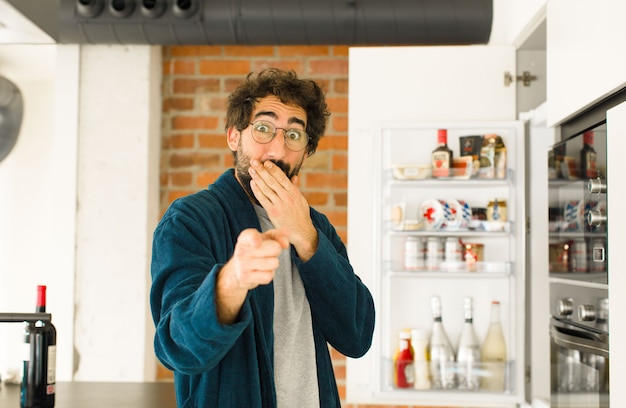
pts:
[586, 313]
[564, 307]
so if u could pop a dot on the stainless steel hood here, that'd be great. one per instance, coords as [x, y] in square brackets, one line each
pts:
[262, 22]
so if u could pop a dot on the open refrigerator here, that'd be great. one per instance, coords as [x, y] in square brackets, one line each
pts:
[393, 131]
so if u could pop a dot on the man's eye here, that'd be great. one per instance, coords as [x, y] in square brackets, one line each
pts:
[261, 127]
[293, 134]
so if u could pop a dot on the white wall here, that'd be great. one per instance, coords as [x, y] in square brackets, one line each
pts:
[118, 198]
[37, 195]
[78, 204]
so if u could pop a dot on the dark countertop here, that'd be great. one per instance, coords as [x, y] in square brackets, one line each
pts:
[101, 395]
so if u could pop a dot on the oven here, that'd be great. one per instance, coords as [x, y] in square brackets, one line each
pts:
[580, 238]
[579, 346]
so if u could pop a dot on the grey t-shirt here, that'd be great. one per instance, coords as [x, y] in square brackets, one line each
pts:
[295, 369]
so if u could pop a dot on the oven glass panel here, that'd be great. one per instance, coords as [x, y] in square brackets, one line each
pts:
[579, 379]
[577, 207]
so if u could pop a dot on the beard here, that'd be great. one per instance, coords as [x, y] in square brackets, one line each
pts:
[242, 167]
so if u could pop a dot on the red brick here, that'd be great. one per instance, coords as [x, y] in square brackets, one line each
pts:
[340, 50]
[339, 123]
[316, 198]
[182, 141]
[341, 199]
[249, 51]
[192, 85]
[340, 161]
[185, 67]
[303, 50]
[194, 122]
[338, 104]
[195, 51]
[284, 64]
[213, 141]
[206, 178]
[329, 66]
[182, 179]
[341, 86]
[224, 67]
[178, 104]
[326, 180]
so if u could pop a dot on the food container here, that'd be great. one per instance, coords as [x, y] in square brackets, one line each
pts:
[496, 210]
[472, 253]
[411, 171]
[574, 215]
[433, 214]
[559, 256]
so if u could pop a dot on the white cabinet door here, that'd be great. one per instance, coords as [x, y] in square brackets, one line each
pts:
[411, 85]
[616, 196]
[586, 61]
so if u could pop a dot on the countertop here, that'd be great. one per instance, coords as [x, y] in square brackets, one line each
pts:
[101, 395]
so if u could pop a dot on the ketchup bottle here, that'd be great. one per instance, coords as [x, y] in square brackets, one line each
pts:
[403, 365]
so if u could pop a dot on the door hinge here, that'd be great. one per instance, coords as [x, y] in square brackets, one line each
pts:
[526, 78]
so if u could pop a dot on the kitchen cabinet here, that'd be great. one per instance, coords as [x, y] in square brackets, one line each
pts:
[616, 146]
[394, 121]
[585, 53]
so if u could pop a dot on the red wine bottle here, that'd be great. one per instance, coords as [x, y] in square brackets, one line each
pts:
[39, 379]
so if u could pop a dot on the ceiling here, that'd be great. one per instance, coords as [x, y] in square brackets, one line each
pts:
[15, 28]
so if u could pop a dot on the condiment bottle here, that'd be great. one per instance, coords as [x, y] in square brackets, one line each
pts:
[419, 340]
[403, 364]
[442, 156]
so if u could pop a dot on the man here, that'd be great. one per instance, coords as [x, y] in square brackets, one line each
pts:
[250, 284]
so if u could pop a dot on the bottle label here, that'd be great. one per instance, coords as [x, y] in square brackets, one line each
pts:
[441, 164]
[25, 351]
[52, 364]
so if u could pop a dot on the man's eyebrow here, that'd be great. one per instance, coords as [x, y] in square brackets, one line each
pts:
[273, 115]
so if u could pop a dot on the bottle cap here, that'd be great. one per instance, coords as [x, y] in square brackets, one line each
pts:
[588, 137]
[41, 296]
[442, 136]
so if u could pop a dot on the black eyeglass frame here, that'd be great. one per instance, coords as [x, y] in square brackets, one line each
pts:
[285, 132]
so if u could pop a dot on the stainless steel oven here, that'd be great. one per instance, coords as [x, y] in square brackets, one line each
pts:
[579, 346]
[579, 254]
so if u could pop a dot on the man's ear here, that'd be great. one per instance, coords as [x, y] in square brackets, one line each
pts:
[233, 136]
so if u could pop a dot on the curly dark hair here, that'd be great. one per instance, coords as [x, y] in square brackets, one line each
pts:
[287, 87]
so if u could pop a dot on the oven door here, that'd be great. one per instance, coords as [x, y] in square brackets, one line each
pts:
[579, 366]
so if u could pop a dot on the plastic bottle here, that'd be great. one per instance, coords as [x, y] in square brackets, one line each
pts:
[403, 364]
[419, 340]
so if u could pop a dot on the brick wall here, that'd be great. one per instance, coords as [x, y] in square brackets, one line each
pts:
[196, 83]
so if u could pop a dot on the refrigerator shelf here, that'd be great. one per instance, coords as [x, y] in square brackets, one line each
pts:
[502, 373]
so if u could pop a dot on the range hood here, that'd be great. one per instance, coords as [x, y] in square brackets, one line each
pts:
[262, 22]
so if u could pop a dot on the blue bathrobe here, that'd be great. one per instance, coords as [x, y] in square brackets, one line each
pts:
[218, 365]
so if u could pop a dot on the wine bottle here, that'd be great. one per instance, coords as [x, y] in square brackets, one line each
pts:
[442, 156]
[38, 383]
[403, 363]
[468, 351]
[441, 352]
[494, 354]
[588, 155]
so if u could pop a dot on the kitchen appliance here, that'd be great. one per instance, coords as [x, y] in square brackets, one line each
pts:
[394, 200]
[580, 239]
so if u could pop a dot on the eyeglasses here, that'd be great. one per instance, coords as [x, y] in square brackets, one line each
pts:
[264, 132]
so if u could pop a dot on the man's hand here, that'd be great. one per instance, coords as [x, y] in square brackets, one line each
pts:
[285, 205]
[253, 263]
